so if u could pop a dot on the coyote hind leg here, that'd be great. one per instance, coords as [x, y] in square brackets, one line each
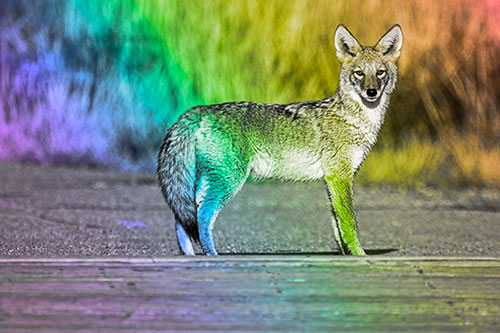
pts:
[183, 239]
[211, 196]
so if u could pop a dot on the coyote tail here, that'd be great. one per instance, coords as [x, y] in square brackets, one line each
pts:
[177, 172]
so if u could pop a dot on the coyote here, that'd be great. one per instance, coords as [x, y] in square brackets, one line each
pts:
[208, 154]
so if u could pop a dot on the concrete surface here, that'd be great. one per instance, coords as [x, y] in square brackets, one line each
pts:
[250, 294]
[68, 212]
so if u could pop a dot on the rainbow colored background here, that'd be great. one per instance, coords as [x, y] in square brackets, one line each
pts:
[99, 82]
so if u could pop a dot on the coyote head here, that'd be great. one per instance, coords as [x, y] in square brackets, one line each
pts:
[368, 72]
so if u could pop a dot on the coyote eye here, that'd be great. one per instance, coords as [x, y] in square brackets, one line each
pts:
[380, 73]
[359, 74]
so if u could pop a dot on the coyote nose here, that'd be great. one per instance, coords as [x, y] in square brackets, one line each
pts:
[371, 92]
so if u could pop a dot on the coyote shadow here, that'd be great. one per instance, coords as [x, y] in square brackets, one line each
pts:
[329, 253]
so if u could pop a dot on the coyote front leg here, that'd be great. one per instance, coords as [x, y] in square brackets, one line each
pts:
[344, 222]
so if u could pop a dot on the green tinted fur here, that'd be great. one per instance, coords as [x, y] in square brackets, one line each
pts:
[209, 153]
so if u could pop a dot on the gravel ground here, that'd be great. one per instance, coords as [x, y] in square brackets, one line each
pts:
[62, 212]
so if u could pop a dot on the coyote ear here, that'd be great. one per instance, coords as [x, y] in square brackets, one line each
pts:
[390, 43]
[346, 44]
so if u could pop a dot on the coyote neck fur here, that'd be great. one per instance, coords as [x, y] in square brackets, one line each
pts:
[347, 105]
[369, 120]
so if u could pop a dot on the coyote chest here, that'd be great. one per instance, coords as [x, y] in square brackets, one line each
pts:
[295, 164]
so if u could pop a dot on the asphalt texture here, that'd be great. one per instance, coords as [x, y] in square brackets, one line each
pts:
[78, 212]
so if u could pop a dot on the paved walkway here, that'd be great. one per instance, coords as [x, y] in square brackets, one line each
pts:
[264, 293]
[70, 212]
[93, 250]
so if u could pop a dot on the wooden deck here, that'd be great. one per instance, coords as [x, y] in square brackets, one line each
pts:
[257, 293]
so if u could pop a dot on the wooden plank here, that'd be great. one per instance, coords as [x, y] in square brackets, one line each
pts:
[278, 293]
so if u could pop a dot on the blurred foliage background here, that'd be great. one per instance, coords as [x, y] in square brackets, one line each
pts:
[99, 82]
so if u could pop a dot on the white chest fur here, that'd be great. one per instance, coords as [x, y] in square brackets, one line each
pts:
[358, 155]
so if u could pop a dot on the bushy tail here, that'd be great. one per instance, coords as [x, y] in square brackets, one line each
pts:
[177, 172]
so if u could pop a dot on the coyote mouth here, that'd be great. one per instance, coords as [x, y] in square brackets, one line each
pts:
[371, 99]
[371, 102]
